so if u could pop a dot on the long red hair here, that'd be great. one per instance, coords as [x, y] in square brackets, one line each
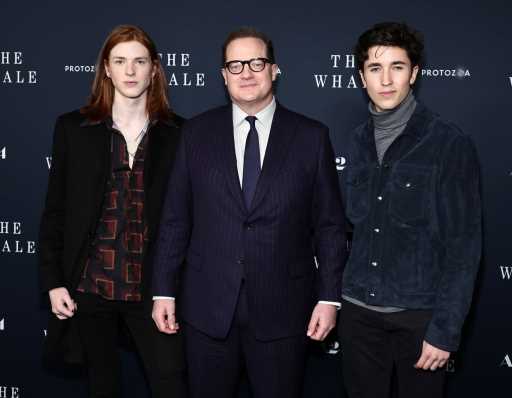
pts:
[100, 102]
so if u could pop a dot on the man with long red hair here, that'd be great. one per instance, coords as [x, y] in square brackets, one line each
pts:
[110, 164]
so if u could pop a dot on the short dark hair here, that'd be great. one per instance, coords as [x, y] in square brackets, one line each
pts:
[390, 34]
[245, 32]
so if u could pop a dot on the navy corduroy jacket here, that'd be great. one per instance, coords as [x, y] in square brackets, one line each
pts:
[417, 222]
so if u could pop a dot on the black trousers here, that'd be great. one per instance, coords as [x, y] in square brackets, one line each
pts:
[99, 321]
[274, 369]
[377, 347]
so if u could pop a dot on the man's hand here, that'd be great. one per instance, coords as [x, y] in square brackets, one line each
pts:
[63, 305]
[431, 357]
[164, 316]
[323, 320]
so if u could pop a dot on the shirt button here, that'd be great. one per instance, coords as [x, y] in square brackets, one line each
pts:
[375, 263]
[377, 230]
[379, 197]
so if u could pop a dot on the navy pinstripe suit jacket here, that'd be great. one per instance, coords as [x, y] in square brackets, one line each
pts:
[210, 241]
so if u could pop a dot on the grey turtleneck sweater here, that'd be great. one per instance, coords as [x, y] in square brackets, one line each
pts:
[388, 125]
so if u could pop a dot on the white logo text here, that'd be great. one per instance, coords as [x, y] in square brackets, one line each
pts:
[506, 272]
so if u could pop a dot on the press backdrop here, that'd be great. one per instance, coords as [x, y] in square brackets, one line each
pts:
[47, 56]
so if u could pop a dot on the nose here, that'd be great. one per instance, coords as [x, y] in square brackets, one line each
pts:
[386, 78]
[246, 72]
[129, 70]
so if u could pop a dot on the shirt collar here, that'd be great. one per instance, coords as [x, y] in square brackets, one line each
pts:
[264, 116]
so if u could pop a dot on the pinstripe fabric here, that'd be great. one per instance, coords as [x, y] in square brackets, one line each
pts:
[275, 368]
[296, 213]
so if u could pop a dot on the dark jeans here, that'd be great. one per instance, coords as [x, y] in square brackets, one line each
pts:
[275, 369]
[377, 347]
[99, 321]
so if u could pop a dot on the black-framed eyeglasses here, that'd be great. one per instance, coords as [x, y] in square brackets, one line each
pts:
[255, 64]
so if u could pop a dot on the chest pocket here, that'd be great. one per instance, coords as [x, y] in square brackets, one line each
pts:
[409, 199]
[357, 194]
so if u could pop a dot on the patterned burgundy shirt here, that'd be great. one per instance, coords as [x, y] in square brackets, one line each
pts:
[114, 266]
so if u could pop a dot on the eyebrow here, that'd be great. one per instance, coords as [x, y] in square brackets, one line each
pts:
[373, 64]
[136, 58]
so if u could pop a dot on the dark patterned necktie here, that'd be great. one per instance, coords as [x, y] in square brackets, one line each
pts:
[252, 164]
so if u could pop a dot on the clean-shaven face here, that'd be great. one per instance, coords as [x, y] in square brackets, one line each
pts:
[251, 91]
[387, 76]
[130, 68]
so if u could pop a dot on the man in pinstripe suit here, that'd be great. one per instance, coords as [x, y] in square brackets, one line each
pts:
[252, 199]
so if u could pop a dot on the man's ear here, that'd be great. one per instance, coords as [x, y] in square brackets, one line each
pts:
[275, 69]
[223, 72]
[414, 74]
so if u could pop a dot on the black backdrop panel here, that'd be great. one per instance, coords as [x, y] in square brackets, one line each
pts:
[47, 56]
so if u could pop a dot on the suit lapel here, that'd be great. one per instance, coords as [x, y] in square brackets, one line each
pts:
[98, 141]
[281, 134]
[224, 135]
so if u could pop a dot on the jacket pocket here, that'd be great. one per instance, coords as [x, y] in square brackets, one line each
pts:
[409, 196]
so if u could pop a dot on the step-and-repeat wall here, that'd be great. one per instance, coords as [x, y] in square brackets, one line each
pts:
[47, 56]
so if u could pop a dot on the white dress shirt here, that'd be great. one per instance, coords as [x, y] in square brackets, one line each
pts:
[241, 129]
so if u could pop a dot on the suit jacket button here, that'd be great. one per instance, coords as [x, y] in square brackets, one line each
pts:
[240, 261]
